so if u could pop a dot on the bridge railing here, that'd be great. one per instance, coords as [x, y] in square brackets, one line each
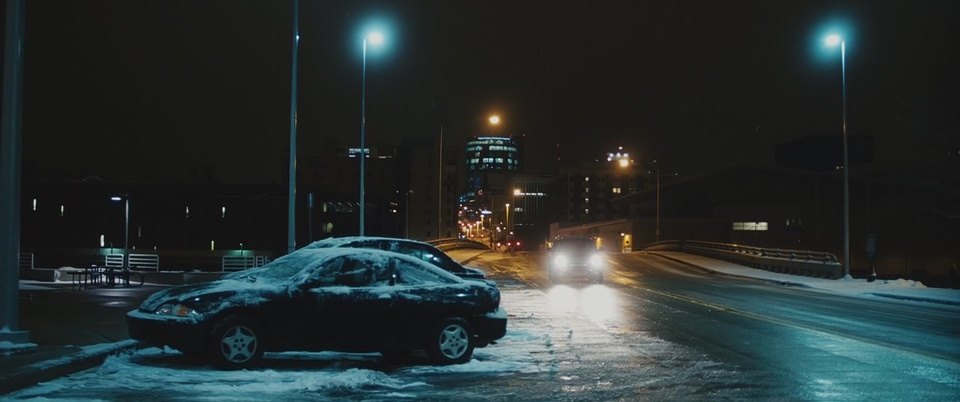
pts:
[454, 243]
[796, 262]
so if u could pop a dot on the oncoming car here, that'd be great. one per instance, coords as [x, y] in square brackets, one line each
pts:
[413, 248]
[576, 257]
[335, 299]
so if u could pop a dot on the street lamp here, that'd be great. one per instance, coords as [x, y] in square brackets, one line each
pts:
[292, 167]
[375, 38]
[834, 40]
[126, 225]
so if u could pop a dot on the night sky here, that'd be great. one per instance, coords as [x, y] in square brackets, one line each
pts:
[170, 90]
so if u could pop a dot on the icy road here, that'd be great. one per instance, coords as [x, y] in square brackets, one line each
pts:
[657, 330]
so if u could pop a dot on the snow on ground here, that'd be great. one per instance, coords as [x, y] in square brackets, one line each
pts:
[155, 371]
[899, 288]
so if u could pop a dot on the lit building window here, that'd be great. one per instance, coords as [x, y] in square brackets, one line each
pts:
[34, 204]
[750, 226]
[223, 212]
[188, 211]
[103, 240]
[61, 210]
[616, 190]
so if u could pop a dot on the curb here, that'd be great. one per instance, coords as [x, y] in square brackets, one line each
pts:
[917, 299]
[774, 281]
[88, 357]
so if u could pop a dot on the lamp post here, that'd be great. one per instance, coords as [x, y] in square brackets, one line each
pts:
[126, 225]
[374, 38]
[292, 168]
[509, 229]
[656, 170]
[834, 40]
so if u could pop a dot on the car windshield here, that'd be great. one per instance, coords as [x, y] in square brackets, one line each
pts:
[575, 245]
[286, 267]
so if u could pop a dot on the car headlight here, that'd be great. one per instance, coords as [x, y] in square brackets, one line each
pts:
[561, 261]
[596, 261]
[176, 310]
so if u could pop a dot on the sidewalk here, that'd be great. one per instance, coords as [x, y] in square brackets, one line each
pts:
[69, 329]
[900, 289]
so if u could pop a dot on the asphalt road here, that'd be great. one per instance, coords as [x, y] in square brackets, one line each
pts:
[656, 330]
[783, 342]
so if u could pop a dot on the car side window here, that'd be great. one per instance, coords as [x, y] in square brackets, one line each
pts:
[355, 272]
[410, 274]
[406, 249]
[326, 273]
[438, 258]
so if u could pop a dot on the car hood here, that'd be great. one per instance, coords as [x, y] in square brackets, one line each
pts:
[243, 291]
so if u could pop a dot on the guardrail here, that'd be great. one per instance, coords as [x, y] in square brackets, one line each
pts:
[795, 262]
[231, 263]
[454, 243]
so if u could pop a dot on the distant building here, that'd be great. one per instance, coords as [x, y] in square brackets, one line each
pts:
[491, 163]
[587, 193]
[429, 213]
[493, 154]
[330, 178]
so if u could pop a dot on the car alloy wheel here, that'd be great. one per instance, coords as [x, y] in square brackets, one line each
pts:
[237, 342]
[452, 342]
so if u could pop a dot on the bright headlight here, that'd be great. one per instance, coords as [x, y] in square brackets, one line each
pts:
[596, 261]
[176, 310]
[561, 261]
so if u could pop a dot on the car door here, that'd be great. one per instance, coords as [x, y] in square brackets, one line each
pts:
[356, 305]
[423, 296]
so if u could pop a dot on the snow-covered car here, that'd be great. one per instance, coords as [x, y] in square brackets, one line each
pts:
[413, 248]
[576, 257]
[325, 299]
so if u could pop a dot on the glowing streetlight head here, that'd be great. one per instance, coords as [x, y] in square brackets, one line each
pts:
[116, 198]
[833, 40]
[624, 163]
[494, 119]
[375, 38]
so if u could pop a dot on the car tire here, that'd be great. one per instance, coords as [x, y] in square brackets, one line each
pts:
[451, 342]
[236, 342]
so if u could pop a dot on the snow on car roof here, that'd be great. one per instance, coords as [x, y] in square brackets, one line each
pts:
[286, 267]
[340, 241]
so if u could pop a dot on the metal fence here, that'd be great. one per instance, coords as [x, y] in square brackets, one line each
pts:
[26, 260]
[137, 261]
